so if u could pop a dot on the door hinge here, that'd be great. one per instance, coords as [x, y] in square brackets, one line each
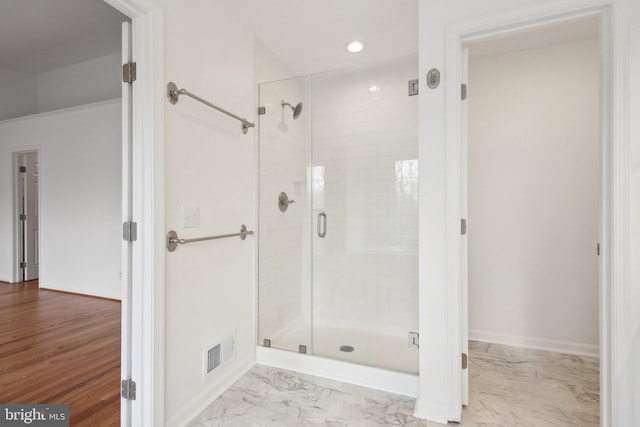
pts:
[129, 389]
[23, 169]
[262, 111]
[463, 226]
[23, 217]
[598, 249]
[23, 265]
[464, 361]
[130, 231]
[414, 340]
[463, 91]
[414, 87]
[129, 72]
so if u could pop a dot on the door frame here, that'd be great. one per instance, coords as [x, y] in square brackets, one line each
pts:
[147, 265]
[16, 209]
[614, 180]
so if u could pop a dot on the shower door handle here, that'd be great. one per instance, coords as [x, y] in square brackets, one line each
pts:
[322, 224]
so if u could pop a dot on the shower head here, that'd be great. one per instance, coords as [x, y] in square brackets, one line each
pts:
[297, 110]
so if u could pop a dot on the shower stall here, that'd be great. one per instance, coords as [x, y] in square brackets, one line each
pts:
[338, 215]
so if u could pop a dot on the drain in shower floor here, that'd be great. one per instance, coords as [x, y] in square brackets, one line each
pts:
[347, 348]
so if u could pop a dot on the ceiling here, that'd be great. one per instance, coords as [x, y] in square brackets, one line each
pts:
[308, 36]
[42, 35]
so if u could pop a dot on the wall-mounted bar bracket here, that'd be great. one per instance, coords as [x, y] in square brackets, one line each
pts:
[414, 88]
[414, 340]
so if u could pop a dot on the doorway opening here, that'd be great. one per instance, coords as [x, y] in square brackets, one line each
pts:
[65, 215]
[532, 183]
[26, 167]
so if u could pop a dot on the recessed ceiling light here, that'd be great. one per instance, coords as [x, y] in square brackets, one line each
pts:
[355, 46]
[374, 89]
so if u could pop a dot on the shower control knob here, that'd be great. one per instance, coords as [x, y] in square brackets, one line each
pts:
[283, 201]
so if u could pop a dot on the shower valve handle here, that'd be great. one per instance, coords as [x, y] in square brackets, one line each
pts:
[284, 201]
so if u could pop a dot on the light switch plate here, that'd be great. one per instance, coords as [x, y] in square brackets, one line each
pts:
[190, 216]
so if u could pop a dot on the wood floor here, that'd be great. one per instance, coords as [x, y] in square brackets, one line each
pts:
[60, 348]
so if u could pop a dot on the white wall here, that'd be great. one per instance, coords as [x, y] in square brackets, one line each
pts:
[80, 174]
[95, 80]
[19, 94]
[436, 16]
[268, 68]
[88, 82]
[210, 290]
[534, 197]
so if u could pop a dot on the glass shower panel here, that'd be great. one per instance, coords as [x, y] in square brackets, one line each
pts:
[284, 263]
[364, 184]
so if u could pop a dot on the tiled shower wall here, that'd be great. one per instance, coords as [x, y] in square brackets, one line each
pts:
[365, 177]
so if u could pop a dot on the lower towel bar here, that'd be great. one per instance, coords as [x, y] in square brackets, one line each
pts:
[173, 240]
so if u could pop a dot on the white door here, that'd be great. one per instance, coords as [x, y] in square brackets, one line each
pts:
[28, 211]
[127, 215]
[463, 243]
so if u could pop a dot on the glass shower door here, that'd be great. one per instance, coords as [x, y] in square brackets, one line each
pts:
[284, 264]
[364, 188]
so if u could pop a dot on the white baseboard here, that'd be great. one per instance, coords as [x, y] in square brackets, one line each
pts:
[566, 347]
[115, 295]
[366, 376]
[226, 379]
[427, 411]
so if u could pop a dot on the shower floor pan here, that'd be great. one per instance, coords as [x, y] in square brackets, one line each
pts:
[369, 348]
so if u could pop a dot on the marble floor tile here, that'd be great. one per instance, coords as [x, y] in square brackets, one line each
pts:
[508, 387]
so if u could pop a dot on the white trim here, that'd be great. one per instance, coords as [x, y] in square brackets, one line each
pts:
[524, 20]
[352, 373]
[605, 300]
[195, 407]
[428, 411]
[565, 347]
[148, 195]
[618, 335]
[615, 264]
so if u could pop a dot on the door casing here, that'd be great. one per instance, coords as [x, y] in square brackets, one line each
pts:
[146, 300]
[614, 218]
